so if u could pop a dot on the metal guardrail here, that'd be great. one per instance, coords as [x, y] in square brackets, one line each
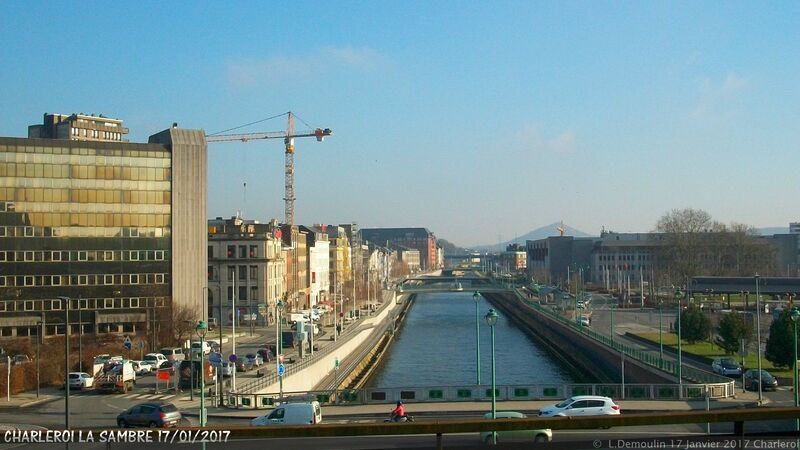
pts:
[472, 393]
[720, 386]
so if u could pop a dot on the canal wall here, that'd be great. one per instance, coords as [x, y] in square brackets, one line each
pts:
[590, 358]
[323, 363]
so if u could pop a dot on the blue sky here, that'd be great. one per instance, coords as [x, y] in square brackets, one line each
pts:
[478, 120]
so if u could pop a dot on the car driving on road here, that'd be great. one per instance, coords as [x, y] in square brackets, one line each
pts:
[537, 435]
[150, 414]
[582, 405]
[726, 367]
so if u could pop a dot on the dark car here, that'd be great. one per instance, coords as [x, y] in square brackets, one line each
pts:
[151, 414]
[768, 382]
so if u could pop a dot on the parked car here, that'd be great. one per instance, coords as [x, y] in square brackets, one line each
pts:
[582, 405]
[541, 435]
[150, 414]
[726, 367]
[265, 354]
[173, 353]
[80, 380]
[141, 367]
[291, 414]
[196, 348]
[253, 359]
[215, 346]
[155, 359]
[240, 365]
[768, 382]
[225, 369]
[21, 359]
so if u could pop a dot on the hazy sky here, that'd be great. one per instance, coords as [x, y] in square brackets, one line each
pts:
[477, 120]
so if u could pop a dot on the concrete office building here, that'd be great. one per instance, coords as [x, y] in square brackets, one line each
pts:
[118, 228]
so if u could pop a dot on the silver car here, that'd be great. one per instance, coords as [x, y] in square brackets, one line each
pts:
[541, 435]
[582, 405]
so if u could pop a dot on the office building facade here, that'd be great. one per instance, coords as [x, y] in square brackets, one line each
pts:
[108, 231]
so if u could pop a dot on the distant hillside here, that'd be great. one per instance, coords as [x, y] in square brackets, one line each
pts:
[539, 233]
[451, 249]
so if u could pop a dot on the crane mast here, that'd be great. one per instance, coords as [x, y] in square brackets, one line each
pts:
[288, 139]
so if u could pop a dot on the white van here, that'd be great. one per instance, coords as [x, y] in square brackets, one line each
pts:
[196, 348]
[291, 414]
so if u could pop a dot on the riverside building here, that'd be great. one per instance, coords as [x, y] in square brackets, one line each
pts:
[118, 229]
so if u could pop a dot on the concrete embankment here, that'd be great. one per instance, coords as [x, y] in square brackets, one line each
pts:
[592, 360]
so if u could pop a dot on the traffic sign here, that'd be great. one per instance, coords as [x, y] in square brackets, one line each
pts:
[127, 343]
[232, 358]
[262, 309]
[281, 370]
[215, 358]
[141, 344]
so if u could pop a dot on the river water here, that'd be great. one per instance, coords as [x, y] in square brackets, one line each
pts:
[436, 347]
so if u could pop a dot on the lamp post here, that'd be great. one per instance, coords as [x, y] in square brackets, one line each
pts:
[477, 297]
[491, 320]
[680, 377]
[202, 329]
[758, 339]
[279, 344]
[39, 333]
[795, 314]
[660, 338]
[65, 300]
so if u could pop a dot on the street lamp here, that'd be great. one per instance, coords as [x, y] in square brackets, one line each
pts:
[39, 332]
[65, 300]
[660, 338]
[758, 339]
[795, 313]
[278, 342]
[491, 320]
[202, 329]
[477, 297]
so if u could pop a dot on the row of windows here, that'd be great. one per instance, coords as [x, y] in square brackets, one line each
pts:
[243, 293]
[66, 231]
[85, 196]
[82, 280]
[32, 170]
[40, 150]
[82, 255]
[637, 257]
[39, 220]
[84, 303]
[77, 132]
[626, 267]
[243, 253]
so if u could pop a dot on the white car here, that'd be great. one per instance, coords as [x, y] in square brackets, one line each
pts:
[80, 380]
[540, 435]
[141, 367]
[156, 360]
[582, 405]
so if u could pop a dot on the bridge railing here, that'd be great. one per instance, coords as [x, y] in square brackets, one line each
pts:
[471, 393]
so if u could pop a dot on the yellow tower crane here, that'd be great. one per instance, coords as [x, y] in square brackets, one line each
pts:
[288, 139]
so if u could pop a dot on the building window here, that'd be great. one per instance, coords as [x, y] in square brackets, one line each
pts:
[243, 293]
[253, 272]
[230, 294]
[231, 272]
[210, 251]
[231, 251]
[253, 251]
[242, 251]
[253, 292]
[242, 272]
[210, 273]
